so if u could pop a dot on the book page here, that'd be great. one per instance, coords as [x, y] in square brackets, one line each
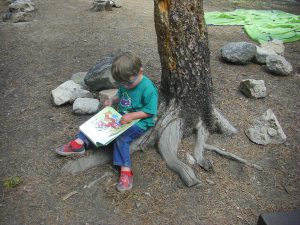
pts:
[104, 126]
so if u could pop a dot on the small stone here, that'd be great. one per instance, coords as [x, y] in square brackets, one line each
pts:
[278, 65]
[116, 3]
[287, 144]
[191, 160]
[275, 45]
[107, 94]
[85, 106]
[262, 53]
[147, 194]
[253, 88]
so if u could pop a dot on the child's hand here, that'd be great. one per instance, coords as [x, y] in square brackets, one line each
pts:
[127, 118]
[108, 102]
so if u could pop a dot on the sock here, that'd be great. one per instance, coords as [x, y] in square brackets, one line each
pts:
[128, 173]
[75, 145]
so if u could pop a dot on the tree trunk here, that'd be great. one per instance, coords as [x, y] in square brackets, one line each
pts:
[184, 53]
[186, 85]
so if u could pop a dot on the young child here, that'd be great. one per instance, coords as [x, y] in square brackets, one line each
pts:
[137, 98]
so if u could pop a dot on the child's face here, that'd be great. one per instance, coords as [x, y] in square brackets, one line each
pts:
[133, 80]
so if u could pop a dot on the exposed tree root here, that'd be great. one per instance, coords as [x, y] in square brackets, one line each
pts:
[202, 134]
[231, 156]
[168, 134]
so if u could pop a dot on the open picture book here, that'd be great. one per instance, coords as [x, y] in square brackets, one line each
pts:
[104, 127]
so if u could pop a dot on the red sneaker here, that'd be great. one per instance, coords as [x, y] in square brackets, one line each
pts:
[72, 148]
[125, 182]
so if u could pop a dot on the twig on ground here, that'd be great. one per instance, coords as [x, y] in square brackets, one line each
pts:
[231, 156]
[70, 195]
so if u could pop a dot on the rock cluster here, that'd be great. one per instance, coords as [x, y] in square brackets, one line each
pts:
[266, 128]
[80, 89]
[19, 11]
[270, 53]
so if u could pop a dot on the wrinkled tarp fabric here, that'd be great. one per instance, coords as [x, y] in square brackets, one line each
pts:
[260, 25]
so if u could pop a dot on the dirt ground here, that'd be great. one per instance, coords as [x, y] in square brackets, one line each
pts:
[65, 38]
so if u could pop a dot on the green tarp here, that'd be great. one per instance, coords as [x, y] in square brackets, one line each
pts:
[260, 25]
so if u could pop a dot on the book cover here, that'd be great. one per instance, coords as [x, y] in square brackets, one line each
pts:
[104, 127]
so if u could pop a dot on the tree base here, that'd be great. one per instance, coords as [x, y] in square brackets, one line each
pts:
[167, 134]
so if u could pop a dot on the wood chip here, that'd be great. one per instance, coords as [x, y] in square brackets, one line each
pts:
[69, 195]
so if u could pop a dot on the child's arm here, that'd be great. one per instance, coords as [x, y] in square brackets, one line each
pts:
[127, 118]
[111, 101]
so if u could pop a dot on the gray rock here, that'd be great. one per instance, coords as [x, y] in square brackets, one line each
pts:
[278, 65]
[78, 78]
[117, 4]
[276, 45]
[21, 6]
[19, 11]
[253, 88]
[238, 52]
[68, 92]
[17, 17]
[101, 5]
[266, 130]
[84, 106]
[99, 77]
[262, 53]
[107, 94]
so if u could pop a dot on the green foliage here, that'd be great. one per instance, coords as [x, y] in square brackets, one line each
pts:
[12, 182]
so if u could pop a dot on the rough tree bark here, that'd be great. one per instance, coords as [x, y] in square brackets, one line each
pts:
[187, 102]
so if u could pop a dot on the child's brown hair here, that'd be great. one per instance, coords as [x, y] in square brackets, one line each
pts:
[125, 65]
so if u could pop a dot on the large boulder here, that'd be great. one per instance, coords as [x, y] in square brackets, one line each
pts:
[68, 92]
[99, 77]
[238, 52]
[278, 65]
[266, 130]
[253, 88]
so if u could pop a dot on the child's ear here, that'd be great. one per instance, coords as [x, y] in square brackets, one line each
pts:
[141, 70]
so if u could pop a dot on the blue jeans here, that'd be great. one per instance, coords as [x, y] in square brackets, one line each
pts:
[121, 149]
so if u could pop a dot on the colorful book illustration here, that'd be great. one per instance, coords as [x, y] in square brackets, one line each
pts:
[104, 127]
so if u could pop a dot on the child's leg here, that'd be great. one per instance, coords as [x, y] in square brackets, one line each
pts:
[121, 156]
[82, 139]
[75, 147]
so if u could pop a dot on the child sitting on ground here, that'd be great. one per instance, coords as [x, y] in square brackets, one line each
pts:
[137, 98]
